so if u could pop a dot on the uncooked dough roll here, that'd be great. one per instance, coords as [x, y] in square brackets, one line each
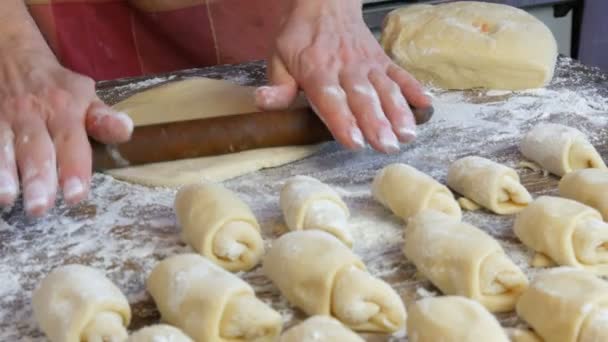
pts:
[566, 231]
[219, 225]
[159, 333]
[452, 319]
[566, 305]
[308, 203]
[588, 186]
[461, 259]
[77, 303]
[209, 303]
[321, 276]
[560, 149]
[489, 184]
[320, 329]
[406, 191]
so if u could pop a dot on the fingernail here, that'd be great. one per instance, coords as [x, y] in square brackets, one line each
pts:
[126, 120]
[35, 195]
[357, 137]
[72, 188]
[8, 186]
[389, 142]
[407, 134]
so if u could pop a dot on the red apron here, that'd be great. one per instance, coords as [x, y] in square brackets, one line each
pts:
[107, 39]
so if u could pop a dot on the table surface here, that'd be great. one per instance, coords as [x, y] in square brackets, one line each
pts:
[124, 229]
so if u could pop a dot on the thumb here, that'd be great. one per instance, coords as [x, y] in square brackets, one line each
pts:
[106, 125]
[281, 92]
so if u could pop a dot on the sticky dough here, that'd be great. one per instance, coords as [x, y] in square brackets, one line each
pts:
[317, 273]
[568, 232]
[320, 329]
[209, 303]
[76, 303]
[461, 259]
[566, 305]
[159, 333]
[219, 225]
[452, 319]
[200, 98]
[407, 191]
[489, 184]
[588, 186]
[560, 149]
[308, 203]
[468, 44]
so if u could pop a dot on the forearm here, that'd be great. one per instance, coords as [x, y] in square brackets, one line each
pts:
[18, 31]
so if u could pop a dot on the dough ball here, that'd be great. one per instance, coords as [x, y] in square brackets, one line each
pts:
[159, 333]
[219, 225]
[452, 319]
[407, 191]
[488, 184]
[307, 203]
[208, 303]
[320, 329]
[566, 305]
[588, 186]
[469, 44]
[77, 303]
[560, 149]
[319, 274]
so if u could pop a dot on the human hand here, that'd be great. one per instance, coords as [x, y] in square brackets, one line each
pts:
[326, 49]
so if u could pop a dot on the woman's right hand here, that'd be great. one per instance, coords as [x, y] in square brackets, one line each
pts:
[46, 114]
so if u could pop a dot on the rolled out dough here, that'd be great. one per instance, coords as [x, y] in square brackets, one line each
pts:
[200, 98]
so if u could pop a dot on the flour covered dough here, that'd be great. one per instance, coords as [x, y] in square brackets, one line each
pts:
[407, 191]
[567, 232]
[560, 149]
[452, 319]
[470, 44]
[319, 274]
[219, 225]
[463, 260]
[307, 203]
[76, 303]
[566, 305]
[210, 304]
[588, 186]
[488, 184]
[159, 333]
[320, 329]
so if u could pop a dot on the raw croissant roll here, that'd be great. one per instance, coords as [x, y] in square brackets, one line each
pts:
[407, 191]
[219, 225]
[452, 319]
[209, 303]
[560, 149]
[461, 259]
[588, 186]
[566, 231]
[320, 329]
[321, 276]
[308, 203]
[566, 305]
[489, 184]
[77, 303]
[159, 333]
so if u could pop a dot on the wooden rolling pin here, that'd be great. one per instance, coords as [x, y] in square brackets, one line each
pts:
[219, 135]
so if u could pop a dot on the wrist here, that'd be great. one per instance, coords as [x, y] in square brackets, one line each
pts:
[324, 7]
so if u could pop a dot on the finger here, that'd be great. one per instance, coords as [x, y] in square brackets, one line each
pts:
[73, 158]
[106, 125]
[412, 90]
[37, 165]
[395, 106]
[328, 100]
[282, 91]
[9, 179]
[365, 105]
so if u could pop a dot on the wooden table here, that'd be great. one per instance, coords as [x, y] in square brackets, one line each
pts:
[125, 229]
